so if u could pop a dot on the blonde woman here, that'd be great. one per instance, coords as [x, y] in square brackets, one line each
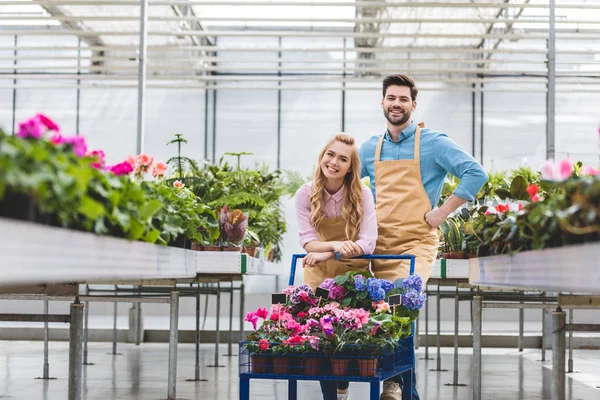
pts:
[336, 221]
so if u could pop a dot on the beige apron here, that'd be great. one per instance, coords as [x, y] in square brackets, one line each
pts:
[332, 229]
[401, 204]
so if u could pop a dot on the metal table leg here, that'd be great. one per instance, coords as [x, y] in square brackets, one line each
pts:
[138, 319]
[570, 362]
[197, 366]
[114, 335]
[456, 320]
[292, 389]
[217, 332]
[477, 316]
[242, 308]
[374, 390]
[244, 388]
[521, 325]
[75, 350]
[46, 371]
[86, 328]
[438, 339]
[426, 329]
[543, 331]
[173, 339]
[559, 320]
[229, 342]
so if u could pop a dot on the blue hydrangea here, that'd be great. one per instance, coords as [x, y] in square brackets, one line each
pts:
[413, 300]
[359, 283]
[413, 282]
[373, 284]
[377, 294]
[386, 285]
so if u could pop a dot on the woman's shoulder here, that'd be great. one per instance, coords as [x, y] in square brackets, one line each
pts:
[305, 190]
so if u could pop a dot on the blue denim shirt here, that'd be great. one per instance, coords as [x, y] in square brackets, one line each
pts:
[440, 155]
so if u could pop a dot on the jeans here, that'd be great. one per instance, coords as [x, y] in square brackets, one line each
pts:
[329, 388]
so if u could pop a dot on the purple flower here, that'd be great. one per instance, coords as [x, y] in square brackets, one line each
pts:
[337, 292]
[413, 300]
[327, 284]
[413, 282]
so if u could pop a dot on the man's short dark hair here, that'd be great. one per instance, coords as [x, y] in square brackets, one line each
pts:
[401, 80]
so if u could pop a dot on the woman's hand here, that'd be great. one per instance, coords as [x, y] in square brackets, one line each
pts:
[348, 248]
[312, 259]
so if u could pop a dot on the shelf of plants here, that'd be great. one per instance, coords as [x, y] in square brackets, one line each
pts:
[353, 327]
[67, 216]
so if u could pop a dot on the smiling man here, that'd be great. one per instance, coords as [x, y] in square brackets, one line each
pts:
[407, 166]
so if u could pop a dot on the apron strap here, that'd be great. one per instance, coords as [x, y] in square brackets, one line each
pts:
[378, 148]
[417, 155]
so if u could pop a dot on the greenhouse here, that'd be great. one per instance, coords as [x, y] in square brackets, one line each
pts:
[300, 199]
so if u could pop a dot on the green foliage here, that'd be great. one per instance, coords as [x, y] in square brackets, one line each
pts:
[180, 165]
[452, 234]
[569, 215]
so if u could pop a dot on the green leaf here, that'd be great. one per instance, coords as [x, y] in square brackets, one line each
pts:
[91, 208]
[346, 301]
[518, 186]
[149, 209]
[151, 236]
[341, 279]
[137, 230]
[502, 193]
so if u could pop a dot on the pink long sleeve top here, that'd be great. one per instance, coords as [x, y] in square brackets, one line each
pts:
[333, 208]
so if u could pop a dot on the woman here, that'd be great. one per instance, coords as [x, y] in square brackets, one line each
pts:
[336, 221]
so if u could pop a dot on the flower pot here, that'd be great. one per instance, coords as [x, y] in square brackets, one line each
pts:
[271, 256]
[197, 247]
[339, 366]
[212, 248]
[18, 206]
[251, 251]
[260, 364]
[312, 365]
[367, 367]
[231, 248]
[455, 255]
[281, 365]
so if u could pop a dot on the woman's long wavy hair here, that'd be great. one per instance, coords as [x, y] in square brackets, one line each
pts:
[352, 211]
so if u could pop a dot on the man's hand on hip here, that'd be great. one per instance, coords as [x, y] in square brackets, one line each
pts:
[435, 217]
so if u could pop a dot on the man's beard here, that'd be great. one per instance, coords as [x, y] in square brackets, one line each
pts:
[401, 121]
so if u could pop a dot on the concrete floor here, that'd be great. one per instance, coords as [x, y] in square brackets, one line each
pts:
[141, 373]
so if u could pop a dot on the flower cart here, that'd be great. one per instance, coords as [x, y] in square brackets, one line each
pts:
[352, 328]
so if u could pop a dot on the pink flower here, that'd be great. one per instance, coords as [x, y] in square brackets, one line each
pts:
[588, 170]
[78, 144]
[294, 326]
[48, 123]
[262, 313]
[130, 160]
[565, 169]
[374, 329]
[302, 314]
[57, 138]
[32, 128]
[337, 292]
[159, 169]
[252, 318]
[178, 184]
[382, 307]
[288, 290]
[123, 168]
[535, 198]
[99, 156]
[314, 342]
[263, 345]
[144, 160]
[548, 171]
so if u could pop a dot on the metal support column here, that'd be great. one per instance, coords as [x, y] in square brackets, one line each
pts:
[242, 307]
[229, 342]
[217, 330]
[173, 339]
[570, 361]
[75, 350]
[438, 338]
[456, 320]
[521, 325]
[426, 329]
[197, 355]
[278, 111]
[46, 368]
[14, 91]
[114, 336]
[544, 312]
[477, 317]
[86, 328]
[142, 77]
[559, 320]
[551, 90]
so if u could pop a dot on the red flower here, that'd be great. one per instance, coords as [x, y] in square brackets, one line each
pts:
[502, 208]
[263, 345]
[302, 314]
[533, 189]
[535, 197]
[262, 313]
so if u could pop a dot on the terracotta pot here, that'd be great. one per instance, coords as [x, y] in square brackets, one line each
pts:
[367, 367]
[260, 364]
[312, 365]
[339, 366]
[197, 247]
[271, 257]
[251, 251]
[231, 248]
[281, 365]
[212, 248]
[455, 255]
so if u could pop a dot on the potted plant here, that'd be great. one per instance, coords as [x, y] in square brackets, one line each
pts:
[232, 228]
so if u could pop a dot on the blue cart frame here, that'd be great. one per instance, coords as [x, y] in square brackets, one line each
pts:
[403, 362]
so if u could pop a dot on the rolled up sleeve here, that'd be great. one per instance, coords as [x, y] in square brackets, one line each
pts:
[367, 237]
[462, 165]
[306, 232]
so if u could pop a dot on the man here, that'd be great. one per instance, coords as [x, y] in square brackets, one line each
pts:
[407, 166]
